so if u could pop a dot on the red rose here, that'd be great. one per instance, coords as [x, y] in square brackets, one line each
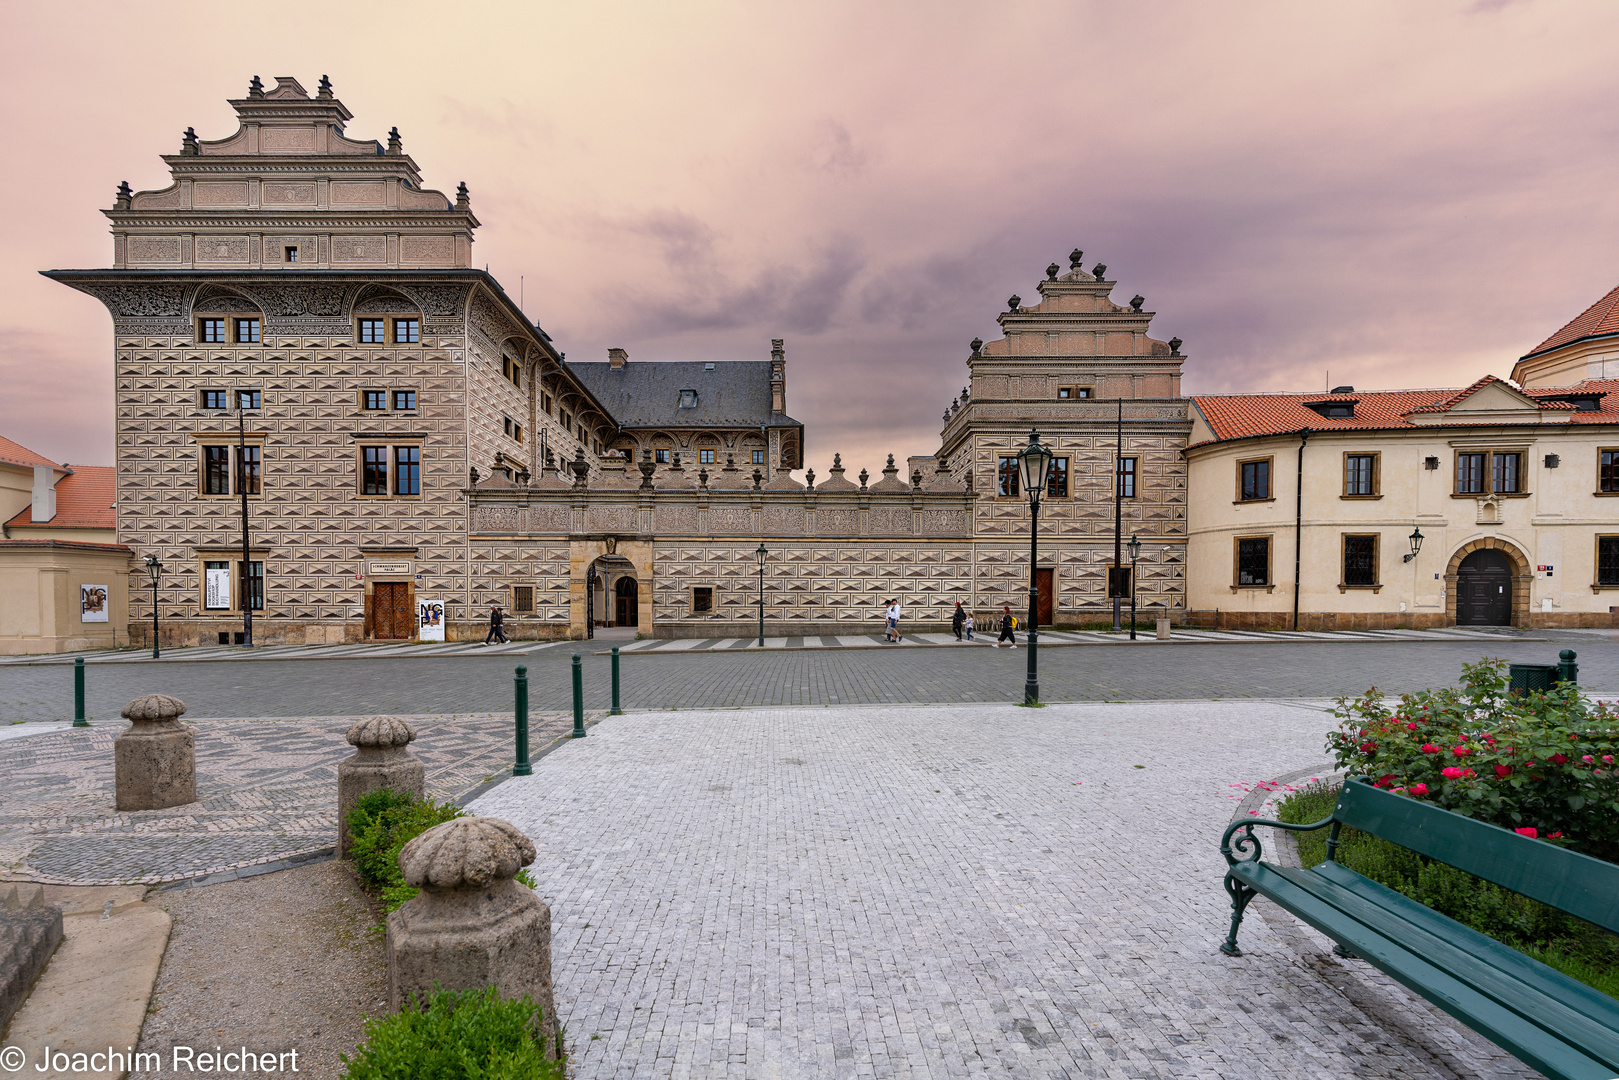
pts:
[1503, 771]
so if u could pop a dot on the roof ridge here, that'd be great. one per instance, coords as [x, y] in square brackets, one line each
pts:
[1601, 319]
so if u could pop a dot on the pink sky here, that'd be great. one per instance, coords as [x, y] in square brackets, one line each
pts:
[1402, 194]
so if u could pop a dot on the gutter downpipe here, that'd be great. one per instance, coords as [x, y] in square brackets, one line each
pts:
[1298, 524]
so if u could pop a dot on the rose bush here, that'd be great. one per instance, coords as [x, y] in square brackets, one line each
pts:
[1541, 761]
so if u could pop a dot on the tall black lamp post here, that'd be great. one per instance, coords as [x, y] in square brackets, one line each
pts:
[1134, 547]
[760, 555]
[244, 398]
[1034, 469]
[154, 570]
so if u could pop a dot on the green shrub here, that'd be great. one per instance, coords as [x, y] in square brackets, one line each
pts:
[1540, 763]
[458, 1035]
[381, 823]
[1573, 946]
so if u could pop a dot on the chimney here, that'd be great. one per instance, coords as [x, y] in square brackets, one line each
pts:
[778, 376]
[617, 358]
[44, 507]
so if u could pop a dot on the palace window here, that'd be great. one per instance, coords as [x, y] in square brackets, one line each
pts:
[545, 403]
[216, 399]
[376, 399]
[1608, 471]
[216, 470]
[390, 470]
[1469, 474]
[248, 399]
[523, 599]
[1082, 391]
[289, 253]
[1505, 473]
[661, 456]
[222, 585]
[247, 331]
[255, 585]
[1057, 481]
[249, 470]
[1253, 480]
[1253, 560]
[1360, 475]
[758, 457]
[702, 599]
[1608, 560]
[374, 470]
[1360, 560]
[407, 470]
[404, 400]
[407, 331]
[1006, 477]
[228, 469]
[1481, 472]
[373, 332]
[1127, 477]
[1065, 391]
[211, 330]
[705, 456]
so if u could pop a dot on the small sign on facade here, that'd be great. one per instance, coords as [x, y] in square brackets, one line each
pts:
[429, 620]
[92, 603]
[396, 566]
[216, 589]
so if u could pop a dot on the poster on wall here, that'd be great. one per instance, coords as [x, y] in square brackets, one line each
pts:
[92, 603]
[216, 589]
[429, 621]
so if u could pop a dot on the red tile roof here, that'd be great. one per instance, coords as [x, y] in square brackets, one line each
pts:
[84, 500]
[1241, 416]
[1599, 320]
[14, 454]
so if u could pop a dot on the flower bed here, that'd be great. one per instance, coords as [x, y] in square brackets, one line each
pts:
[1542, 764]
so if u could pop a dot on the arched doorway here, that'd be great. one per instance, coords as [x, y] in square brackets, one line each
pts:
[1484, 589]
[626, 604]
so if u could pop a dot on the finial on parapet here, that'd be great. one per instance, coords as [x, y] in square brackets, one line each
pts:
[966, 392]
[121, 200]
[325, 92]
[837, 461]
[550, 461]
[890, 462]
[947, 416]
[1051, 272]
[1136, 301]
[463, 197]
[758, 478]
[255, 88]
[1100, 272]
[916, 479]
[523, 476]
[864, 476]
[648, 467]
[1013, 303]
[809, 480]
[1075, 257]
[581, 468]
[702, 479]
[1175, 346]
[473, 472]
[188, 143]
[977, 344]
[396, 145]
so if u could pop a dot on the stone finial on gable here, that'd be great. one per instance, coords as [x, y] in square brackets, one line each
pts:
[1013, 303]
[1136, 301]
[188, 143]
[463, 197]
[1075, 257]
[916, 479]
[864, 476]
[1175, 346]
[396, 145]
[121, 200]
[809, 480]
[1051, 272]
[977, 344]
[255, 88]
[325, 91]
[1100, 272]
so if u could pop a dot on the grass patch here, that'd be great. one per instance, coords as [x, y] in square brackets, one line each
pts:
[1578, 949]
[461, 1035]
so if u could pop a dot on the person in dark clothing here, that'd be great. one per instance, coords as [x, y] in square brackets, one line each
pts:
[497, 626]
[1006, 628]
[958, 620]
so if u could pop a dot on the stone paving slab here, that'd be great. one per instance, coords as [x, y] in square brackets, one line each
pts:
[944, 892]
[267, 795]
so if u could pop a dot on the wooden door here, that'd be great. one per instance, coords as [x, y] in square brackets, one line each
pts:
[1045, 603]
[1484, 590]
[626, 596]
[391, 617]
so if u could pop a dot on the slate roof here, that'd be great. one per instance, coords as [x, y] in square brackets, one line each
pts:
[1242, 416]
[1601, 319]
[84, 500]
[736, 393]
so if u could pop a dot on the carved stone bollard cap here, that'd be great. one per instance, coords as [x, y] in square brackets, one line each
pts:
[381, 731]
[464, 853]
[154, 707]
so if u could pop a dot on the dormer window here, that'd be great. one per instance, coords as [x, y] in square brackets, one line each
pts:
[1581, 402]
[688, 399]
[1333, 410]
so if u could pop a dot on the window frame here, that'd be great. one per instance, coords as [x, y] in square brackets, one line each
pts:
[208, 326]
[381, 397]
[412, 326]
[660, 455]
[233, 563]
[1376, 479]
[757, 456]
[396, 394]
[255, 396]
[216, 470]
[1487, 480]
[1518, 478]
[1057, 481]
[713, 606]
[1065, 393]
[390, 464]
[1344, 584]
[517, 599]
[705, 455]
[1007, 483]
[1269, 461]
[1597, 584]
[205, 396]
[233, 473]
[289, 253]
[364, 334]
[252, 325]
[1132, 474]
[1270, 562]
[399, 464]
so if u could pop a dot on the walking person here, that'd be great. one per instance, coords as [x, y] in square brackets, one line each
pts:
[497, 626]
[1007, 623]
[958, 620]
[969, 625]
[893, 621]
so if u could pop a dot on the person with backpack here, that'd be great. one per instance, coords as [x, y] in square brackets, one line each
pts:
[1007, 623]
[958, 620]
[497, 626]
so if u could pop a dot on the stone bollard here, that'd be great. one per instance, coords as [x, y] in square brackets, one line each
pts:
[382, 759]
[471, 926]
[155, 761]
[1163, 629]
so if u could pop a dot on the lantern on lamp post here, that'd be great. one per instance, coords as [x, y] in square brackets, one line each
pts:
[1134, 548]
[1416, 539]
[760, 555]
[1034, 470]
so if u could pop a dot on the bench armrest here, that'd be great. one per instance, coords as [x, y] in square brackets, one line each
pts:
[1246, 847]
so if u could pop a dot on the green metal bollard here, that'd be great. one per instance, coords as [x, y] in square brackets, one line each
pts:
[1567, 670]
[616, 710]
[578, 700]
[78, 693]
[522, 768]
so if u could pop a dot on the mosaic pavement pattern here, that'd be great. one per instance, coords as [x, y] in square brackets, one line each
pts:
[268, 793]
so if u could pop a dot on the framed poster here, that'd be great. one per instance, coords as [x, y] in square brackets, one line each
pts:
[429, 620]
[92, 603]
[216, 587]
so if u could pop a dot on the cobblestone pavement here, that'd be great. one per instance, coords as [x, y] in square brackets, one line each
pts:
[268, 794]
[887, 892]
[741, 678]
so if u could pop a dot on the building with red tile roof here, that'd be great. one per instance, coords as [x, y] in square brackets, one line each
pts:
[1586, 348]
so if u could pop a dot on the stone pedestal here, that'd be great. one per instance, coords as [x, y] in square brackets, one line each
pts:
[155, 761]
[1163, 629]
[471, 926]
[382, 759]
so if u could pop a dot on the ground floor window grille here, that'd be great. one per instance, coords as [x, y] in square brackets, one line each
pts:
[1253, 561]
[1608, 560]
[1360, 560]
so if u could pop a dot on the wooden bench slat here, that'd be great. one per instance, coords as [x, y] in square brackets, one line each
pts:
[1529, 1042]
[1567, 880]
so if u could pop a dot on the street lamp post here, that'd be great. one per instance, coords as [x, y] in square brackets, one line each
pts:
[1134, 547]
[1034, 468]
[243, 398]
[154, 570]
[590, 603]
[1416, 539]
[760, 555]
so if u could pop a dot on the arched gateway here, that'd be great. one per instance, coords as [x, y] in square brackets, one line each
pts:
[1488, 584]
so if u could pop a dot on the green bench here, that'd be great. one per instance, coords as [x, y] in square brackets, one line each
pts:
[1562, 1027]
